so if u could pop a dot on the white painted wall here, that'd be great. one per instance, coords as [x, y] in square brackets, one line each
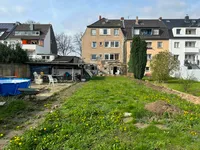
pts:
[183, 32]
[182, 50]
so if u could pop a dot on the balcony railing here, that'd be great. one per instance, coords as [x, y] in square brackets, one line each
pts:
[31, 46]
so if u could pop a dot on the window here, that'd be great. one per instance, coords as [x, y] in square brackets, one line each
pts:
[156, 32]
[116, 44]
[93, 56]
[48, 57]
[116, 56]
[136, 32]
[101, 44]
[94, 44]
[146, 32]
[116, 32]
[27, 33]
[149, 57]
[178, 31]
[147, 69]
[106, 56]
[176, 44]
[111, 56]
[93, 32]
[107, 44]
[190, 31]
[190, 44]
[160, 45]
[112, 44]
[104, 31]
[149, 45]
[43, 57]
[176, 57]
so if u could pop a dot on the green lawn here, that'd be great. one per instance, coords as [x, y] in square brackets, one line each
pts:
[92, 119]
[177, 84]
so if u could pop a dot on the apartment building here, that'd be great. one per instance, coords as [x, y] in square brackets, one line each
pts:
[107, 42]
[37, 39]
[184, 43]
[153, 31]
[103, 45]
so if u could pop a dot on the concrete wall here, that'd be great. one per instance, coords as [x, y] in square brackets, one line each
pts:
[19, 70]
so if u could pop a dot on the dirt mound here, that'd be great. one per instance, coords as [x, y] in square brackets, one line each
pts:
[161, 107]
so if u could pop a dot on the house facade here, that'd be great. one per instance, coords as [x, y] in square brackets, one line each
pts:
[107, 43]
[103, 45]
[37, 39]
[184, 43]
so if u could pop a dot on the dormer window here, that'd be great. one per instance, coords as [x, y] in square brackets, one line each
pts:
[156, 32]
[136, 32]
[178, 31]
[146, 32]
[190, 31]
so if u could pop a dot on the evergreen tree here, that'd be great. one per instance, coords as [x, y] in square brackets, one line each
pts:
[138, 57]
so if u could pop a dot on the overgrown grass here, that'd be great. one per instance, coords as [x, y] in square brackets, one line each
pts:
[179, 85]
[92, 119]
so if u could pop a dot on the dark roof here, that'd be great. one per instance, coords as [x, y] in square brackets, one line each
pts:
[171, 23]
[7, 27]
[107, 23]
[68, 59]
[130, 24]
[43, 28]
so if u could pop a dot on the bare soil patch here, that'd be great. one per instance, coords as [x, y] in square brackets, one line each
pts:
[161, 107]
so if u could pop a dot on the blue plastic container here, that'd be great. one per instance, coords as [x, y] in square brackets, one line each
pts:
[9, 87]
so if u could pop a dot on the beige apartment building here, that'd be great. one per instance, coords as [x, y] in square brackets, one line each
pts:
[107, 43]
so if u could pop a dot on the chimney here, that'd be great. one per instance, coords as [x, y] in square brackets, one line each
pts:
[160, 18]
[187, 19]
[137, 21]
[31, 27]
[122, 18]
[100, 17]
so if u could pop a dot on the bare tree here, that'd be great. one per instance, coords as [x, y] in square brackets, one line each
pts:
[31, 22]
[77, 39]
[64, 43]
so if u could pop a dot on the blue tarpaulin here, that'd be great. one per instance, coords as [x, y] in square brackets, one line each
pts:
[9, 87]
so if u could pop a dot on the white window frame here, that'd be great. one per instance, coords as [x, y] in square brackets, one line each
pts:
[109, 54]
[148, 46]
[93, 55]
[136, 31]
[105, 56]
[191, 44]
[176, 44]
[95, 33]
[186, 31]
[116, 33]
[159, 46]
[95, 44]
[149, 56]
[156, 32]
[177, 32]
[146, 69]
[108, 44]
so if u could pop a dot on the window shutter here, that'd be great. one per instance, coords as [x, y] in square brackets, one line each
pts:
[101, 31]
[109, 32]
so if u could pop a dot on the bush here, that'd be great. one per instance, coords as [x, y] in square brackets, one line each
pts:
[12, 55]
[162, 65]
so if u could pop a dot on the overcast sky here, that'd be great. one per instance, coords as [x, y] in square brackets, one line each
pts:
[73, 16]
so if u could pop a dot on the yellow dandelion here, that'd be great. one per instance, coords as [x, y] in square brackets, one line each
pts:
[20, 143]
[1, 134]
[45, 129]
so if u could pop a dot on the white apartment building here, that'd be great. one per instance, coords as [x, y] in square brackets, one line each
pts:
[184, 44]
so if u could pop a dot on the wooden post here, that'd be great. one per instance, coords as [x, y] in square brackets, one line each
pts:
[72, 73]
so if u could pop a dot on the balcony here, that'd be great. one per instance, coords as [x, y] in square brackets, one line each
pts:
[192, 50]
